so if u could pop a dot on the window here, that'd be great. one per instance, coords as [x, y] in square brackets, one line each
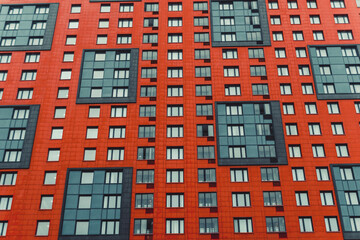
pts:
[115, 154]
[291, 129]
[355, 87]
[174, 22]
[304, 70]
[241, 199]
[278, 36]
[7, 41]
[314, 129]
[337, 128]
[42, 9]
[310, 108]
[144, 200]
[260, 89]
[94, 112]
[123, 39]
[68, 57]
[103, 23]
[231, 53]
[42, 228]
[151, 22]
[46, 202]
[285, 89]
[35, 41]
[331, 224]
[355, 224]
[352, 69]
[202, 53]
[298, 174]
[341, 18]
[116, 132]
[148, 72]
[175, 72]
[280, 53]
[145, 176]
[174, 131]
[101, 39]
[232, 90]
[143, 226]
[120, 91]
[349, 52]
[174, 153]
[243, 225]
[174, 176]
[38, 25]
[203, 90]
[206, 175]
[65, 74]
[12, 25]
[89, 154]
[272, 198]
[118, 111]
[151, 7]
[207, 200]
[322, 174]
[257, 71]
[75, 8]
[175, 110]
[269, 174]
[314, 19]
[253, 53]
[113, 177]
[307, 88]
[205, 152]
[5, 58]
[346, 173]
[204, 110]
[146, 131]
[273, 4]
[26, 75]
[174, 226]
[53, 155]
[125, 23]
[326, 198]
[175, 200]
[201, 21]
[175, 55]
[283, 70]
[329, 88]
[227, 21]
[311, 4]
[288, 108]
[275, 20]
[92, 132]
[342, 150]
[14, 10]
[318, 150]
[294, 151]
[275, 224]
[8, 178]
[337, 3]
[228, 37]
[202, 71]
[208, 225]
[5, 202]
[345, 35]
[110, 227]
[351, 198]
[235, 130]
[50, 178]
[149, 55]
[237, 152]
[82, 228]
[318, 35]
[175, 7]
[24, 93]
[205, 130]
[200, 6]
[302, 199]
[292, 4]
[126, 7]
[146, 153]
[295, 19]
[233, 110]
[32, 57]
[175, 38]
[1, 93]
[305, 224]
[12, 156]
[298, 36]
[147, 111]
[57, 133]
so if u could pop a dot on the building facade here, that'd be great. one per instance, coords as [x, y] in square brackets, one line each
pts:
[201, 119]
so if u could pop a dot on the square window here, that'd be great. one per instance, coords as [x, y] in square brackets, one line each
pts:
[53, 154]
[87, 177]
[73, 24]
[50, 178]
[94, 111]
[96, 92]
[91, 133]
[103, 23]
[60, 112]
[68, 57]
[65, 74]
[89, 154]
[70, 40]
[63, 93]
[57, 133]
[84, 202]
[75, 8]
[46, 202]
[104, 8]
[42, 228]
[101, 39]
[82, 227]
